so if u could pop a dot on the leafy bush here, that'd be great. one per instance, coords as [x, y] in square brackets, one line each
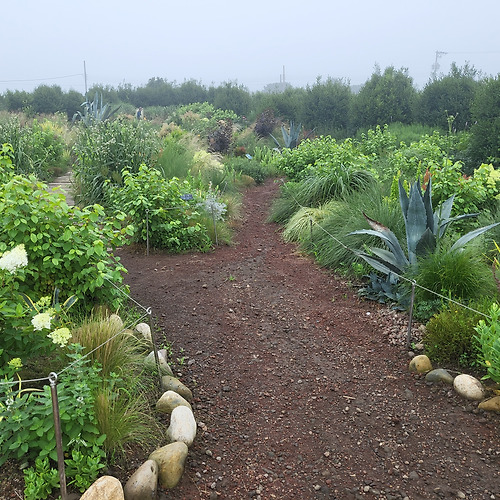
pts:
[324, 150]
[449, 336]
[488, 338]
[265, 123]
[104, 149]
[202, 118]
[472, 194]
[219, 139]
[27, 419]
[250, 167]
[156, 208]
[67, 247]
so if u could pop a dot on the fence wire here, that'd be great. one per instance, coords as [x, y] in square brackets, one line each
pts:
[413, 282]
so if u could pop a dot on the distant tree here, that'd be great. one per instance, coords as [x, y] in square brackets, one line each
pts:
[484, 143]
[72, 103]
[17, 100]
[125, 93]
[326, 105]
[384, 98]
[108, 93]
[450, 95]
[191, 91]
[286, 105]
[231, 96]
[47, 100]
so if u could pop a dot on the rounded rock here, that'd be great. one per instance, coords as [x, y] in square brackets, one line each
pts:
[469, 387]
[420, 364]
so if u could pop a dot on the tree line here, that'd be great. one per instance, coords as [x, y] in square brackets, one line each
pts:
[461, 100]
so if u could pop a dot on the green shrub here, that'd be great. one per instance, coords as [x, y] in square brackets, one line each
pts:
[67, 248]
[449, 336]
[27, 417]
[324, 152]
[473, 194]
[156, 208]
[250, 167]
[488, 338]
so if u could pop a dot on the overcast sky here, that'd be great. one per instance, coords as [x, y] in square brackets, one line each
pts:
[215, 41]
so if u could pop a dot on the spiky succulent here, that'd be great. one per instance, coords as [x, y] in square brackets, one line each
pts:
[424, 229]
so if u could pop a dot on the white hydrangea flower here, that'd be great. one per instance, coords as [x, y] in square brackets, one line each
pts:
[11, 260]
[60, 336]
[41, 321]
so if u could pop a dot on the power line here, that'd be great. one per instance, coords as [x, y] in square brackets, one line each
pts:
[42, 79]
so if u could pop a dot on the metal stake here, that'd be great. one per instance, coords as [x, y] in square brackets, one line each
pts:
[57, 428]
[155, 348]
[412, 300]
[147, 232]
[215, 225]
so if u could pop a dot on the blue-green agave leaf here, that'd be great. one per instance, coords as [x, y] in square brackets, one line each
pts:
[426, 244]
[379, 264]
[416, 221]
[461, 242]
[403, 198]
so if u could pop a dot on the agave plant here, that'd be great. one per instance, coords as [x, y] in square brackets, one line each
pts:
[290, 137]
[424, 229]
[95, 111]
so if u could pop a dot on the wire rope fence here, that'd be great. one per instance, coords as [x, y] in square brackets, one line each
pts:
[413, 283]
[53, 377]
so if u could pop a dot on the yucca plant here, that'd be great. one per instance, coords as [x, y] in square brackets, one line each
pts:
[424, 229]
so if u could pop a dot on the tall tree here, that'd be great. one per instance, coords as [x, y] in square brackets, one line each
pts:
[231, 96]
[449, 98]
[327, 105]
[485, 132]
[384, 98]
[47, 99]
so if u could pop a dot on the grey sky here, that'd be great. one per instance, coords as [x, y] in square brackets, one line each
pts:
[213, 41]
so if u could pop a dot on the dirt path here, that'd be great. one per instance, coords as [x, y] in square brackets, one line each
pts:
[298, 392]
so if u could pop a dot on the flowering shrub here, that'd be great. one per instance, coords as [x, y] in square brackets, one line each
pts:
[69, 248]
[20, 335]
[28, 424]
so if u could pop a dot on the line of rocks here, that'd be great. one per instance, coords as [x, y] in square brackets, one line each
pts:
[465, 385]
[165, 465]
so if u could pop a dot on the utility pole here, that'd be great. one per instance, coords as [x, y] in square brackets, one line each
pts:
[85, 76]
[435, 66]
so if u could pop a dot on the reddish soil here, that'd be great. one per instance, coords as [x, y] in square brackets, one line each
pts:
[300, 390]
